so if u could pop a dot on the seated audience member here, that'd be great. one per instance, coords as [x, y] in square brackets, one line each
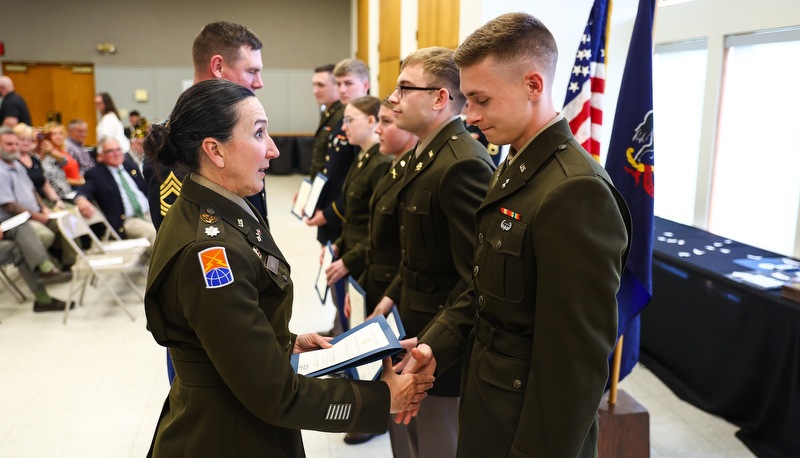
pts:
[110, 125]
[77, 130]
[17, 195]
[136, 154]
[119, 190]
[27, 142]
[21, 246]
[54, 160]
[57, 134]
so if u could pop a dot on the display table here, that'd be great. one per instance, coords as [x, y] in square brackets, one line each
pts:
[727, 348]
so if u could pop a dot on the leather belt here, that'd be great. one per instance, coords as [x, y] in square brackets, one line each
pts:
[511, 344]
[197, 373]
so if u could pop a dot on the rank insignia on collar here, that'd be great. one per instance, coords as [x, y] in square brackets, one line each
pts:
[522, 168]
[402, 163]
[418, 167]
[258, 234]
[208, 219]
[394, 173]
[240, 222]
[212, 231]
[508, 212]
[216, 269]
[430, 153]
[503, 186]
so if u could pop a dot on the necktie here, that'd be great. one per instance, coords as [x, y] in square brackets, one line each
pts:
[137, 209]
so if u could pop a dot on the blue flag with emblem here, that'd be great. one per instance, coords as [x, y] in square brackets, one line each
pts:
[630, 165]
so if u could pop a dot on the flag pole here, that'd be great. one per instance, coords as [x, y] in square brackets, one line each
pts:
[612, 395]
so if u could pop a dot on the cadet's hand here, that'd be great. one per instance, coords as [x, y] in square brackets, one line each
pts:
[336, 271]
[408, 345]
[317, 220]
[407, 390]
[422, 362]
[347, 305]
[310, 341]
[383, 307]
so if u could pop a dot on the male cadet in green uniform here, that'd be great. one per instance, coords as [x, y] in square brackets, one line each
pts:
[327, 96]
[221, 50]
[552, 240]
[444, 183]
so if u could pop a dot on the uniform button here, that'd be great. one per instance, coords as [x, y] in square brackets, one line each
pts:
[121, 230]
[403, 253]
[454, 137]
[413, 209]
[562, 147]
[480, 238]
[383, 209]
[402, 205]
[387, 275]
[499, 244]
[480, 299]
[327, 157]
[441, 306]
[517, 384]
[337, 149]
[324, 171]
[122, 216]
[352, 193]
[330, 144]
[402, 230]
[475, 271]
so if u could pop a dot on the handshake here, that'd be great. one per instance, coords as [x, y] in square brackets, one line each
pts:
[408, 388]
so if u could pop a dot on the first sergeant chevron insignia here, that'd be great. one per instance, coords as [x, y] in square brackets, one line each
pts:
[169, 187]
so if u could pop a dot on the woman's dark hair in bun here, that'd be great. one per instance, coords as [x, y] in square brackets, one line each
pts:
[207, 109]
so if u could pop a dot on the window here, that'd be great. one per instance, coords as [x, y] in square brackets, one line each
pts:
[756, 180]
[679, 77]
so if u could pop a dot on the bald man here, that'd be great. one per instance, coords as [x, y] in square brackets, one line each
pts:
[13, 110]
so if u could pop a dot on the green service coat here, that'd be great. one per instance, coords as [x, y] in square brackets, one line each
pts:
[360, 182]
[329, 119]
[441, 190]
[552, 240]
[224, 316]
[381, 251]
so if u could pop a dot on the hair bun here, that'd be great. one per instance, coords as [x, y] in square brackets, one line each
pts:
[158, 146]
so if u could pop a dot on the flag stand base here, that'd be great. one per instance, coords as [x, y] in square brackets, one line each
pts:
[624, 428]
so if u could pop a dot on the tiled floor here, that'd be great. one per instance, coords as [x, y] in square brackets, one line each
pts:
[94, 387]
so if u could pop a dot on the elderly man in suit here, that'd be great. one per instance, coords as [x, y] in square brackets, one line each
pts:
[120, 192]
[539, 318]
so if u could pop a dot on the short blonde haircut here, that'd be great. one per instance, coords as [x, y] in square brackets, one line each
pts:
[352, 66]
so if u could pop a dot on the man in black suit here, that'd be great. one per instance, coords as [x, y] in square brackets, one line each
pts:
[120, 192]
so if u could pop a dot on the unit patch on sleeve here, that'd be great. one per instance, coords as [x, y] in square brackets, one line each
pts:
[216, 269]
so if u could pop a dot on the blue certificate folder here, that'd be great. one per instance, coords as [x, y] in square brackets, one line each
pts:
[391, 349]
[392, 318]
[322, 282]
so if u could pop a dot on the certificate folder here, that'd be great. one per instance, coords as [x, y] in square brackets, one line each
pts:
[351, 349]
[303, 193]
[322, 280]
[373, 371]
[315, 194]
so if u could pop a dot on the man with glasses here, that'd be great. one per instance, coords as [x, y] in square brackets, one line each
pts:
[120, 192]
[444, 183]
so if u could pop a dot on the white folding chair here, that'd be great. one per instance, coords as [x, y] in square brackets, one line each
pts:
[111, 241]
[94, 265]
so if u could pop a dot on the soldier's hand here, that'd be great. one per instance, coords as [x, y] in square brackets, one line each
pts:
[310, 341]
[407, 390]
[317, 220]
[383, 307]
[347, 305]
[408, 345]
[336, 271]
[422, 362]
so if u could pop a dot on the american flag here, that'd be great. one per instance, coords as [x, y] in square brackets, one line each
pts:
[583, 107]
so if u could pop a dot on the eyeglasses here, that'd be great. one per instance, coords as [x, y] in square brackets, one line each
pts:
[401, 90]
[349, 119]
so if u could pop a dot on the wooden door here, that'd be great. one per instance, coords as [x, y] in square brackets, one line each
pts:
[438, 23]
[56, 91]
[389, 47]
[362, 40]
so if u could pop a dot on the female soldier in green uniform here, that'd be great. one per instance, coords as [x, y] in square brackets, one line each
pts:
[219, 297]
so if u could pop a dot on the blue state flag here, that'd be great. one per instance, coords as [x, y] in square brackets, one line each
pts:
[630, 165]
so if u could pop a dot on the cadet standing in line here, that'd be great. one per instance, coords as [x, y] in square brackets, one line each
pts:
[539, 320]
[444, 183]
[360, 121]
[327, 96]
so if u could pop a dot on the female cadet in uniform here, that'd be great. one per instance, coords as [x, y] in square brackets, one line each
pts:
[219, 297]
[359, 122]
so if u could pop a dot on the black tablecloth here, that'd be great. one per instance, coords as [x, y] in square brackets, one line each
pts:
[727, 348]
